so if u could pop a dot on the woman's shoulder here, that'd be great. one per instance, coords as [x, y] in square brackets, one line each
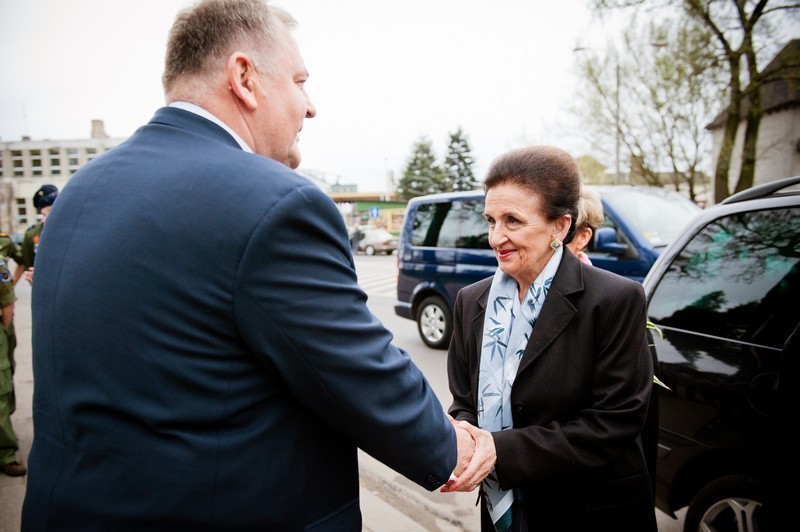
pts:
[599, 279]
[475, 290]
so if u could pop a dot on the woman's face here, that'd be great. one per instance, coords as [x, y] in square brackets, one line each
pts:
[520, 233]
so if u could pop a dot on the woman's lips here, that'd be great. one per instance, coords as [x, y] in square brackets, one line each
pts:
[505, 253]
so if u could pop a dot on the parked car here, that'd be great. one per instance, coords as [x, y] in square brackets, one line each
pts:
[724, 296]
[444, 246]
[377, 241]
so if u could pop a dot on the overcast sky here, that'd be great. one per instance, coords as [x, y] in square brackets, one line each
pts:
[383, 73]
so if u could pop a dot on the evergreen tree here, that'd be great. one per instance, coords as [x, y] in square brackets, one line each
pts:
[422, 175]
[458, 164]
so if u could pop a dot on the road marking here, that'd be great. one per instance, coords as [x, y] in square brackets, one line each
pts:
[378, 284]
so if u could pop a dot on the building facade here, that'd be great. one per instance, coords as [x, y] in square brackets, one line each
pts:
[26, 165]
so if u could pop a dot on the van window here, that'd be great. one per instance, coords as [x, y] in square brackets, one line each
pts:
[738, 278]
[456, 224]
[657, 214]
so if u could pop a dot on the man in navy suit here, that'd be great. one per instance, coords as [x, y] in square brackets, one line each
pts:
[203, 356]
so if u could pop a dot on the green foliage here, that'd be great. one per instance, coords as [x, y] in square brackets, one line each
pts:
[458, 163]
[423, 175]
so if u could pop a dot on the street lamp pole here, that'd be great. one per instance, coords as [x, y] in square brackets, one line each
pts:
[617, 176]
[617, 109]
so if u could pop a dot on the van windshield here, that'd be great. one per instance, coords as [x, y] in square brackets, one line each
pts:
[658, 214]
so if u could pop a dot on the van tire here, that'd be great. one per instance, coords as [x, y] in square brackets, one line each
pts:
[435, 322]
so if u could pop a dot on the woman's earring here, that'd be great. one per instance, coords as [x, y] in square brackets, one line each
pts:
[555, 243]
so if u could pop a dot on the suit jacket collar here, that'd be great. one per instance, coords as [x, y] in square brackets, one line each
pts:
[556, 313]
[182, 119]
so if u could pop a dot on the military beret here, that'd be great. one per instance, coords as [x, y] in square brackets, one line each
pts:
[45, 196]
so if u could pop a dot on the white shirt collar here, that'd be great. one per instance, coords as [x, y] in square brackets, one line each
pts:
[196, 109]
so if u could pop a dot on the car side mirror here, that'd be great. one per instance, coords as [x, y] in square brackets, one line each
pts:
[605, 240]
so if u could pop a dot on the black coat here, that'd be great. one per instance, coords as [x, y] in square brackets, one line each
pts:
[579, 401]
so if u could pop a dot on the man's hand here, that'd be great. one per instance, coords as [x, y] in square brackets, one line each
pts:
[481, 464]
[466, 448]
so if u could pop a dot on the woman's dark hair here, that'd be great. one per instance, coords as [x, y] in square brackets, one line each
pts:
[548, 172]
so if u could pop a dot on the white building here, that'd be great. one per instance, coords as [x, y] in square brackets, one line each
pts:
[26, 165]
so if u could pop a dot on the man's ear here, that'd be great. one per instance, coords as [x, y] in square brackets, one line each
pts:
[242, 79]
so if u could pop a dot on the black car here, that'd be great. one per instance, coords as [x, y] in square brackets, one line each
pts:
[724, 295]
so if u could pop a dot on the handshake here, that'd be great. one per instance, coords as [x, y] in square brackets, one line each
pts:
[476, 457]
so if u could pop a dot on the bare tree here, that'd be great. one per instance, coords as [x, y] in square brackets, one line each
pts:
[656, 95]
[743, 31]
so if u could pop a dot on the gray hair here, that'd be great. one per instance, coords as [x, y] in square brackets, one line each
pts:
[210, 30]
[590, 210]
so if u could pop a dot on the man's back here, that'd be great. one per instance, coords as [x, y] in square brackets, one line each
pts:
[203, 356]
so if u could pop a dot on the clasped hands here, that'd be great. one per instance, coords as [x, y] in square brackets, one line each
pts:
[476, 457]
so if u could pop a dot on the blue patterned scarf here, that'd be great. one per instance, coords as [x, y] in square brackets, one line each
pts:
[507, 328]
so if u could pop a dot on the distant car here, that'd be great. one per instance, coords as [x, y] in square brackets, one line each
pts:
[444, 246]
[377, 241]
[724, 296]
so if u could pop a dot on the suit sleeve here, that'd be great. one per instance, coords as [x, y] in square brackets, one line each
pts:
[299, 307]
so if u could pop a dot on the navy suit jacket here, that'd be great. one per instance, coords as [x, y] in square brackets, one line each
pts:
[579, 401]
[203, 356]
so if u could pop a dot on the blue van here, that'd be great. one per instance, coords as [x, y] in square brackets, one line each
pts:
[444, 246]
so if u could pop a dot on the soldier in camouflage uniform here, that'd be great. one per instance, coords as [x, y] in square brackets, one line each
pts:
[43, 201]
[8, 440]
[11, 250]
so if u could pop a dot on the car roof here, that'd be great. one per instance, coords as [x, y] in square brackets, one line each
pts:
[479, 193]
[464, 194]
[789, 186]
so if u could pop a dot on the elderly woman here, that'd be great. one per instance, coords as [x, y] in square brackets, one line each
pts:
[588, 219]
[550, 358]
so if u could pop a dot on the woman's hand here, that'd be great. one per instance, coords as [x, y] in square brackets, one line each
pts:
[481, 464]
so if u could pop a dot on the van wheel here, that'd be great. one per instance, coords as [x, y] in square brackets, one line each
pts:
[434, 322]
[731, 503]
[369, 250]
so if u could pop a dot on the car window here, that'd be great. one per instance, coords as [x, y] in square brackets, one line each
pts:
[450, 224]
[736, 279]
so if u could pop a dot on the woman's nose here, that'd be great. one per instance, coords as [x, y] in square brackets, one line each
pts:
[496, 236]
